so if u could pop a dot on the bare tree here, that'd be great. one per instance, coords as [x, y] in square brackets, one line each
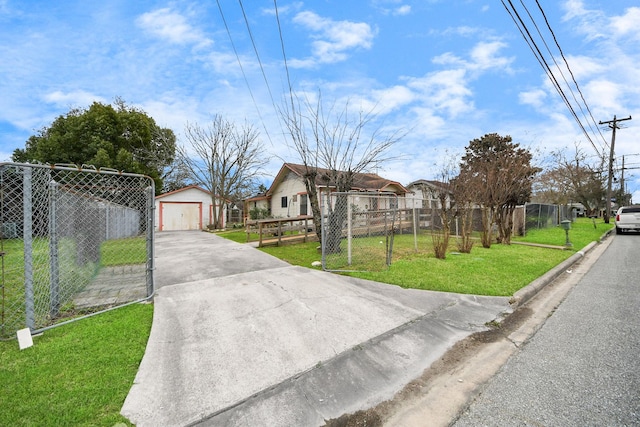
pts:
[574, 179]
[224, 159]
[466, 198]
[338, 140]
[446, 209]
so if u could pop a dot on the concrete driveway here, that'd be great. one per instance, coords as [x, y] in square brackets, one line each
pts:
[240, 338]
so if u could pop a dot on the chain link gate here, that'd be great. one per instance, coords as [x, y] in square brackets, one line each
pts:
[357, 230]
[73, 242]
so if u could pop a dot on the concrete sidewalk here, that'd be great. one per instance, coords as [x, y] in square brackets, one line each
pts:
[240, 338]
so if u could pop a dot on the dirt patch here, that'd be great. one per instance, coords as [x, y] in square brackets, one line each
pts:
[455, 357]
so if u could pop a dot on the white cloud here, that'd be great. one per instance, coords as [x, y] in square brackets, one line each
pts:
[485, 56]
[402, 10]
[332, 39]
[536, 98]
[584, 67]
[445, 91]
[627, 24]
[172, 26]
[384, 101]
[72, 99]
[605, 93]
[482, 57]
[284, 9]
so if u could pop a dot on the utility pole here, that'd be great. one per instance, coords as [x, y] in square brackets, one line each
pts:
[622, 192]
[613, 124]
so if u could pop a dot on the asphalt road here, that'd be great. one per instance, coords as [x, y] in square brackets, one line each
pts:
[582, 368]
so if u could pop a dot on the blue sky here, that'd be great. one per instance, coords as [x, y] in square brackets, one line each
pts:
[444, 71]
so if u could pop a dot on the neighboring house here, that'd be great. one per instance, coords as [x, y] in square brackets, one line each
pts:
[256, 204]
[189, 208]
[287, 197]
[429, 192]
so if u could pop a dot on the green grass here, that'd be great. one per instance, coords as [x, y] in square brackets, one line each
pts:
[581, 234]
[238, 235]
[132, 250]
[76, 374]
[73, 276]
[500, 270]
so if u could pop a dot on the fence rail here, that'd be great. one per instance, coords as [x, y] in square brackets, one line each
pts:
[73, 242]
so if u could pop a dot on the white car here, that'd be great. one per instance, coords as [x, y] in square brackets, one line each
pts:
[628, 219]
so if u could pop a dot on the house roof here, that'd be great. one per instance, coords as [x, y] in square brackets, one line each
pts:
[436, 185]
[190, 187]
[361, 181]
[261, 196]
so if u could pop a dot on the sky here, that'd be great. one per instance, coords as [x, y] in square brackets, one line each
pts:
[440, 72]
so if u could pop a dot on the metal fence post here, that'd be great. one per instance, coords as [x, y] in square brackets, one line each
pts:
[27, 236]
[53, 251]
[416, 223]
[349, 229]
[150, 236]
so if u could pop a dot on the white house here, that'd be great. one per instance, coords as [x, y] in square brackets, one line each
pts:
[287, 197]
[428, 192]
[190, 208]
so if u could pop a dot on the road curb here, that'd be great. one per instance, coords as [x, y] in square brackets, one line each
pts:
[525, 294]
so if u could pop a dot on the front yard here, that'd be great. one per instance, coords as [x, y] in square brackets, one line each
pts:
[498, 271]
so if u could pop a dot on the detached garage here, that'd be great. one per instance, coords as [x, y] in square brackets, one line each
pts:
[189, 208]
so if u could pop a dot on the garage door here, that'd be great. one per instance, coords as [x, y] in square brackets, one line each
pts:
[180, 216]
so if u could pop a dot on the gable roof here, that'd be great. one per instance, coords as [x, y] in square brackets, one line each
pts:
[361, 181]
[190, 187]
[436, 185]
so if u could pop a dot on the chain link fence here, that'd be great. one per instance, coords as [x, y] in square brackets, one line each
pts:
[357, 230]
[532, 216]
[73, 242]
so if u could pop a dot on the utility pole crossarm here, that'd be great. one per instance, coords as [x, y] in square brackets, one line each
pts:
[614, 121]
[613, 124]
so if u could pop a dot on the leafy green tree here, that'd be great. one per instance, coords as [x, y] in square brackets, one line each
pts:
[117, 137]
[500, 175]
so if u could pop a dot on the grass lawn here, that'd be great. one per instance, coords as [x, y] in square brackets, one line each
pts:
[79, 373]
[75, 374]
[73, 276]
[499, 271]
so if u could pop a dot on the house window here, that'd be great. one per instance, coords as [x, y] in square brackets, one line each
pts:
[303, 204]
[283, 202]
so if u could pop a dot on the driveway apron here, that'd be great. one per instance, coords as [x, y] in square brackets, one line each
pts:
[240, 338]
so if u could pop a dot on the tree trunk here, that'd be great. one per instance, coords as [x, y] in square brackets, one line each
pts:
[465, 244]
[487, 224]
[337, 217]
[314, 201]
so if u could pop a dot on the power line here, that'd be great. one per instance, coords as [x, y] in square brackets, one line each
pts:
[584, 101]
[235, 51]
[255, 50]
[533, 46]
[284, 55]
[553, 34]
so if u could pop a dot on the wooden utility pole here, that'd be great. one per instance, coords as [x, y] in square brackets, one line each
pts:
[613, 124]
[623, 193]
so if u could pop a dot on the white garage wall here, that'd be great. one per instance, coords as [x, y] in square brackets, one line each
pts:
[185, 198]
